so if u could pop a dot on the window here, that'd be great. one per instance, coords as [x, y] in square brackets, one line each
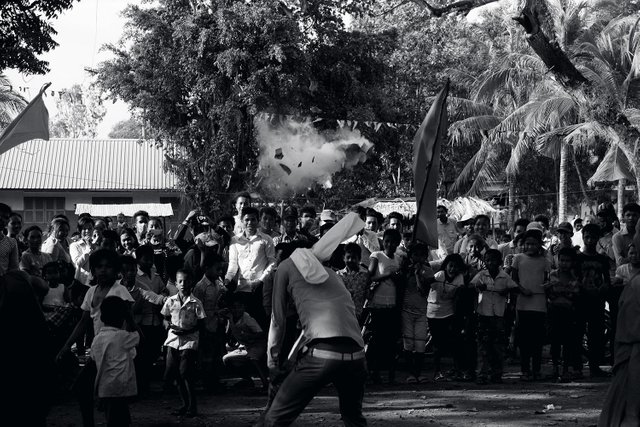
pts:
[40, 210]
[112, 200]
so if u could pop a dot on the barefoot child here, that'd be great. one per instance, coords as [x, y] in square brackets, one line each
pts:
[493, 286]
[113, 351]
[414, 310]
[184, 316]
[530, 270]
[562, 293]
[441, 310]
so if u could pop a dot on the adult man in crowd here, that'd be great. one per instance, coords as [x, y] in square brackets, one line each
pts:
[251, 259]
[447, 232]
[307, 221]
[289, 227]
[140, 221]
[333, 349]
[623, 238]
[268, 216]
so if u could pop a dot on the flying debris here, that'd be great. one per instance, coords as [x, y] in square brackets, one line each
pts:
[313, 159]
[279, 154]
[300, 164]
[285, 168]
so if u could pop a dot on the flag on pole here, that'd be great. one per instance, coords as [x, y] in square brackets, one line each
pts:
[31, 123]
[426, 168]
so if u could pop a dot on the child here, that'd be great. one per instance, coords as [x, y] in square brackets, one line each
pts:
[151, 319]
[493, 286]
[594, 284]
[113, 351]
[105, 266]
[476, 247]
[355, 277]
[384, 272]
[252, 345]
[441, 310]
[530, 270]
[562, 292]
[128, 275]
[33, 259]
[414, 310]
[209, 291]
[184, 315]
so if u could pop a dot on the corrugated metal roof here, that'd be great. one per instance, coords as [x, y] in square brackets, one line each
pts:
[85, 164]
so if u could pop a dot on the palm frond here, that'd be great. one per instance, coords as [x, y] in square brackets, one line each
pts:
[463, 107]
[471, 129]
[11, 103]
[550, 113]
[633, 116]
[522, 146]
[490, 171]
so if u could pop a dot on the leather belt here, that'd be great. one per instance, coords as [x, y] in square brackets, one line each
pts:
[335, 355]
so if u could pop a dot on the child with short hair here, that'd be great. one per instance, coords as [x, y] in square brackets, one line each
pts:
[414, 309]
[441, 311]
[184, 316]
[594, 285]
[562, 292]
[151, 319]
[209, 290]
[252, 349]
[530, 270]
[355, 277]
[105, 266]
[113, 351]
[493, 286]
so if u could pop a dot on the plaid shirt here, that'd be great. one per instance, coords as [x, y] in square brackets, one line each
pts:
[8, 254]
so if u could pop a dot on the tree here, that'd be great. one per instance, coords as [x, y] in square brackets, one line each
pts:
[25, 32]
[126, 129]
[11, 103]
[80, 110]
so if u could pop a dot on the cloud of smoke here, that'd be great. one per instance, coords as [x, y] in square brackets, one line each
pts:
[295, 156]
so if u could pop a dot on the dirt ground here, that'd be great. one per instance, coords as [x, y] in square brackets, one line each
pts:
[512, 403]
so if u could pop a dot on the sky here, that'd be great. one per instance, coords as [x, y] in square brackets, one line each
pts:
[82, 30]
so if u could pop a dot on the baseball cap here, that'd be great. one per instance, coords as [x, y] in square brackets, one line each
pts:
[290, 212]
[535, 225]
[327, 215]
[565, 227]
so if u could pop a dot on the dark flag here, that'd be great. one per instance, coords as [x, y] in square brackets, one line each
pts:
[426, 168]
[31, 123]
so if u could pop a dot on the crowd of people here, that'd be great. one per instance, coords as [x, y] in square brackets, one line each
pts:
[219, 298]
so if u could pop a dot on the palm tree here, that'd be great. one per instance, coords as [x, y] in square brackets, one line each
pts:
[11, 103]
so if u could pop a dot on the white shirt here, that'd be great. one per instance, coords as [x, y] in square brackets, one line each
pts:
[447, 235]
[185, 314]
[250, 258]
[113, 350]
[80, 252]
[116, 290]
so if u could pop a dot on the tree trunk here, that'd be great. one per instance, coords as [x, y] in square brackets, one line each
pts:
[562, 190]
[511, 212]
[621, 183]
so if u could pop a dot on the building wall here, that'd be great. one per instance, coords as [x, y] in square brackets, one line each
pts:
[16, 199]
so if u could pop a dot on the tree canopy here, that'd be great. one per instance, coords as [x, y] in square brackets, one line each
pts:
[26, 32]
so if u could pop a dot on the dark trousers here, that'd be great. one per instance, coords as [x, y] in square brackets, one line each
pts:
[309, 376]
[117, 411]
[210, 351]
[564, 337]
[385, 329]
[445, 339]
[149, 350]
[591, 322]
[531, 331]
[490, 346]
[181, 366]
[253, 305]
